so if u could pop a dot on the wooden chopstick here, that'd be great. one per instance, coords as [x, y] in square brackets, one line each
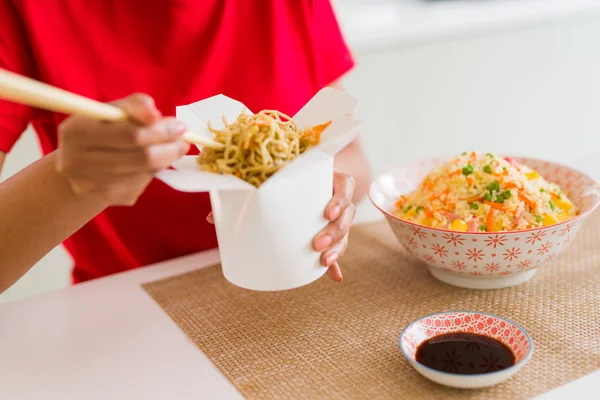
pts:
[24, 90]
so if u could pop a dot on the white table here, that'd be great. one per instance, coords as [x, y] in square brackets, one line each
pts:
[107, 339]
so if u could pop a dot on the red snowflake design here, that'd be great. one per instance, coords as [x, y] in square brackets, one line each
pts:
[526, 263]
[535, 236]
[495, 240]
[456, 240]
[492, 267]
[544, 249]
[439, 250]
[505, 273]
[429, 258]
[475, 273]
[566, 230]
[515, 252]
[459, 265]
[475, 254]
[418, 232]
[413, 243]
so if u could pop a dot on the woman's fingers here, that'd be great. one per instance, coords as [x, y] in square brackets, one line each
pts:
[335, 273]
[335, 230]
[343, 190]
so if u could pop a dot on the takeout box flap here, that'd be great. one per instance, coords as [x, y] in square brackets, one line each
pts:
[327, 105]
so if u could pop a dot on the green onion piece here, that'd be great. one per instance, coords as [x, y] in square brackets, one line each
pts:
[504, 168]
[482, 228]
[474, 206]
[419, 209]
[490, 155]
[464, 153]
[468, 170]
[543, 190]
[407, 209]
[488, 197]
[487, 169]
[552, 205]
[538, 218]
[507, 194]
[494, 186]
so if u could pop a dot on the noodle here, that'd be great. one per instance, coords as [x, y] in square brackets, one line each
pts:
[257, 146]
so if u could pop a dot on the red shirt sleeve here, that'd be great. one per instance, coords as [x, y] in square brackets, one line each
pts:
[333, 56]
[16, 56]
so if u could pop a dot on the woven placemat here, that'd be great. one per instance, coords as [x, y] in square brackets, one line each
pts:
[339, 341]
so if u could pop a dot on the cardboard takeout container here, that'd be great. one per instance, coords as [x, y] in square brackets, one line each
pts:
[265, 234]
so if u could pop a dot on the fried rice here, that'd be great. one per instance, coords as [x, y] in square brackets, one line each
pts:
[485, 193]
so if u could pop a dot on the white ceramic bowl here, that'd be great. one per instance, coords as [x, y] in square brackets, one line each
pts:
[482, 260]
[489, 325]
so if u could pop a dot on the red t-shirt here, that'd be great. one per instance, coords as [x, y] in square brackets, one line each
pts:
[273, 54]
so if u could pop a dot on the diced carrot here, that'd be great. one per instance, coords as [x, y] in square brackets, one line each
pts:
[497, 206]
[511, 185]
[473, 156]
[450, 205]
[401, 201]
[489, 220]
[428, 211]
[474, 198]
[527, 200]
[470, 180]
[455, 173]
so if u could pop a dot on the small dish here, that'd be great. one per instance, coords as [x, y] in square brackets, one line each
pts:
[508, 333]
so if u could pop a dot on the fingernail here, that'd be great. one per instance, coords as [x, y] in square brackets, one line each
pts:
[175, 127]
[331, 258]
[184, 148]
[324, 242]
[335, 212]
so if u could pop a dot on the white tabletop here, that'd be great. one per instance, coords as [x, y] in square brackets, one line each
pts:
[107, 339]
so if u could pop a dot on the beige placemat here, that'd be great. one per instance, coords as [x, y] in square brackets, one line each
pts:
[332, 341]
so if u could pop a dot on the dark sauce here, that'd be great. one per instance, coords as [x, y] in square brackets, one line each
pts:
[465, 354]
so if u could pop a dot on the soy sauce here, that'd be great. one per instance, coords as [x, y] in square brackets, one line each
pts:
[465, 354]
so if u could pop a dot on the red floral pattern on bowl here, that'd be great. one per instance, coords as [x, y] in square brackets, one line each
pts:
[488, 325]
[484, 260]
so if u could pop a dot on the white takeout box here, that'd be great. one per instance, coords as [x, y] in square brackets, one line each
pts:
[265, 234]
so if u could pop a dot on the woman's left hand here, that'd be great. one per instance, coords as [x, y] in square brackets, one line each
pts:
[332, 241]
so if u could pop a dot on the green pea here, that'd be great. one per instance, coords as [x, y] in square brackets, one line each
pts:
[494, 186]
[500, 199]
[464, 153]
[482, 228]
[543, 190]
[487, 169]
[468, 170]
[507, 194]
[474, 206]
[488, 197]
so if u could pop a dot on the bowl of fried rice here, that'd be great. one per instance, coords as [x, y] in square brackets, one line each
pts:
[484, 221]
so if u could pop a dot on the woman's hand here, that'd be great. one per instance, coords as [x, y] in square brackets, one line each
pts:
[117, 160]
[333, 239]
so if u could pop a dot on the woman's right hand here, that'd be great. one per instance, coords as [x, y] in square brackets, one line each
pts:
[117, 160]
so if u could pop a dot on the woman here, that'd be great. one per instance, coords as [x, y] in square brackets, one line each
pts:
[94, 189]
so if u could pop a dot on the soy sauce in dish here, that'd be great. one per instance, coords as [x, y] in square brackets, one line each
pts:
[465, 354]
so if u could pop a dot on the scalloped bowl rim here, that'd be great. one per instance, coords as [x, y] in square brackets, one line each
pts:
[389, 214]
[473, 376]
